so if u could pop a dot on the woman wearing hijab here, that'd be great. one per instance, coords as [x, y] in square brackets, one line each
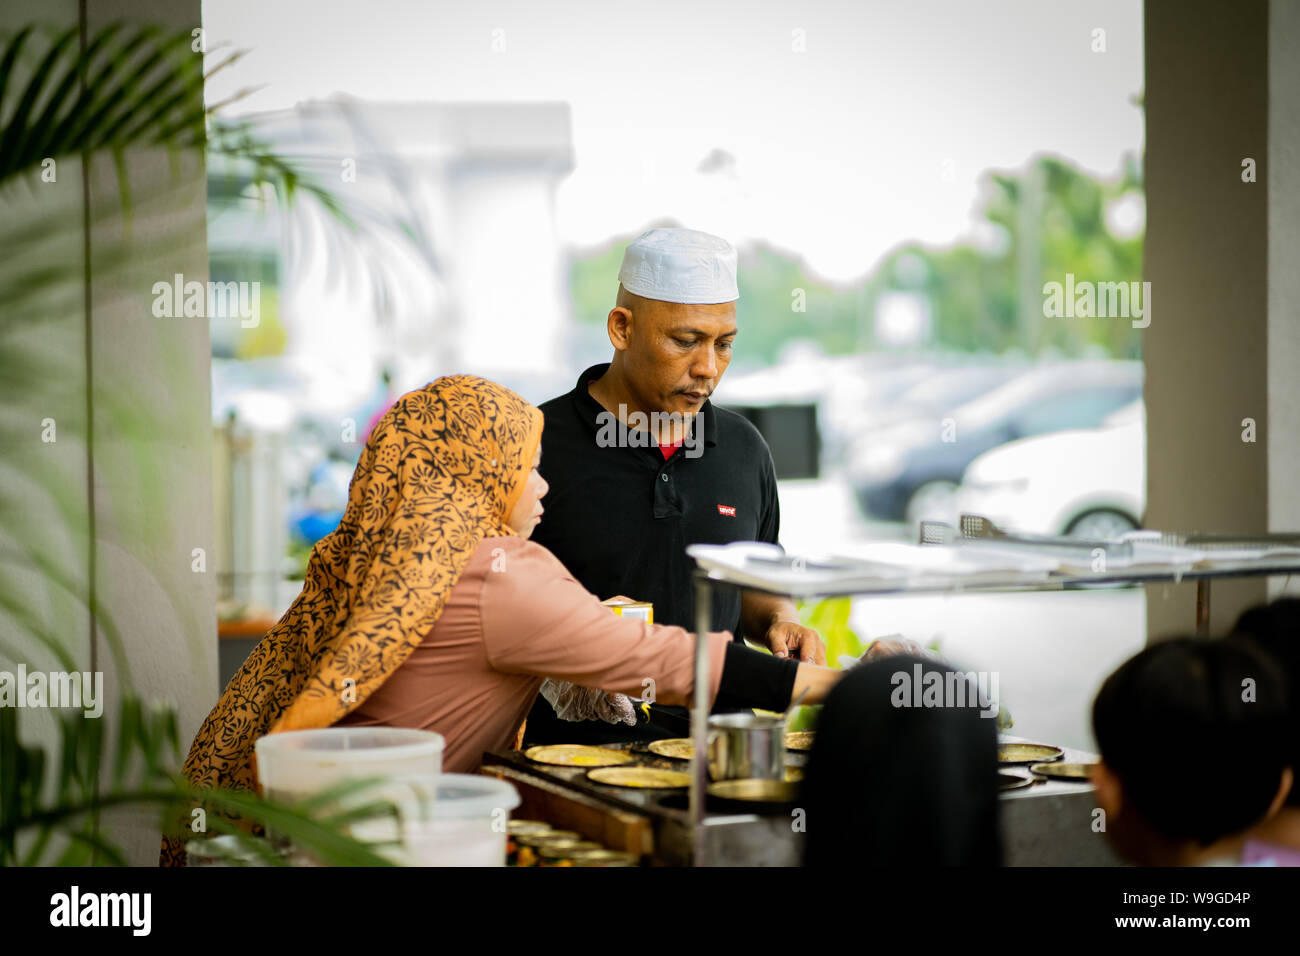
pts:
[893, 784]
[427, 607]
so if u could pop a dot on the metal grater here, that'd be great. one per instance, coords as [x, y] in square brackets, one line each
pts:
[936, 532]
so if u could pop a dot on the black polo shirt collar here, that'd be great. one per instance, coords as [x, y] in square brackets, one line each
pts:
[589, 410]
[617, 536]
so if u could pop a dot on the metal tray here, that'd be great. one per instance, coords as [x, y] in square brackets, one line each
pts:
[1014, 781]
[754, 791]
[1011, 754]
[644, 778]
[1070, 772]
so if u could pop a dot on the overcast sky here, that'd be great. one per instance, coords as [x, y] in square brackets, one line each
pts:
[875, 134]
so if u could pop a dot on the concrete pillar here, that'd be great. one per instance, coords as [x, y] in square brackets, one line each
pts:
[1282, 170]
[1210, 253]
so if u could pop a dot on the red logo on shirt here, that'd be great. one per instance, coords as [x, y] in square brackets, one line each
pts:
[728, 510]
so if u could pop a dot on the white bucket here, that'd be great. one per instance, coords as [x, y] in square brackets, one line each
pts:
[300, 763]
[453, 819]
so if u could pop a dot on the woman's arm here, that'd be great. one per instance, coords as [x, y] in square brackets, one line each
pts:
[751, 678]
[536, 619]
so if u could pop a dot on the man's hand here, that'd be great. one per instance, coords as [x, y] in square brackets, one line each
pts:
[792, 639]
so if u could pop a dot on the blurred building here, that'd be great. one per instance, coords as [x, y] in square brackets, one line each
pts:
[448, 261]
[455, 264]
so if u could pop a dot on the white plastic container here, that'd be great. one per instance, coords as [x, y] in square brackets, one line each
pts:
[220, 851]
[454, 819]
[299, 763]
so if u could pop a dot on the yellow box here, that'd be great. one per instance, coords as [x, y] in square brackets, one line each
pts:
[641, 610]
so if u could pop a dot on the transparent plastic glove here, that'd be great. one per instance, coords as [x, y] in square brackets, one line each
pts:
[572, 702]
[887, 646]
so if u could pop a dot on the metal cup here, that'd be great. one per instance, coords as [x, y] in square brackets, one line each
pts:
[746, 747]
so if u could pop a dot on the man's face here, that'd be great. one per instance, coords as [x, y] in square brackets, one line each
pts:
[675, 354]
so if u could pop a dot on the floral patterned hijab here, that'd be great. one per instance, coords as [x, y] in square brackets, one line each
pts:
[441, 471]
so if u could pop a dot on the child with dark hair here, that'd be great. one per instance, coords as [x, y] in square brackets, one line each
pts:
[1276, 628]
[891, 784]
[1195, 750]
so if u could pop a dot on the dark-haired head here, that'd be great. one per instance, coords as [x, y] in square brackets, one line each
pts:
[1276, 628]
[1193, 741]
[895, 785]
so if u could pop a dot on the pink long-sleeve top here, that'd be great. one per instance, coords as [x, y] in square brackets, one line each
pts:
[515, 617]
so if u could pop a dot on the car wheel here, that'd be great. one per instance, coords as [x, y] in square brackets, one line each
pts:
[1101, 525]
[933, 501]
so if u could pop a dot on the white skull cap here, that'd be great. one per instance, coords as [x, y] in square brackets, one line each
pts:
[680, 265]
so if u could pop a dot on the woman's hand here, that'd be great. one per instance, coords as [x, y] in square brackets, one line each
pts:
[616, 709]
[573, 703]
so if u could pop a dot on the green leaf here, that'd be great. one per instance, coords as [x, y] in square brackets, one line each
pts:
[130, 735]
[88, 847]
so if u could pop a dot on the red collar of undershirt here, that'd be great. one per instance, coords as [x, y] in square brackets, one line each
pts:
[665, 450]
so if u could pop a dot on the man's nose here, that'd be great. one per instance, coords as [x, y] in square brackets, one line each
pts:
[705, 364]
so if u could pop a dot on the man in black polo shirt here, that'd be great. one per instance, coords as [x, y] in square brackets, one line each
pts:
[640, 464]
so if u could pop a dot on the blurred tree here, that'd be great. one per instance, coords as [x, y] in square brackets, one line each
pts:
[269, 337]
[979, 301]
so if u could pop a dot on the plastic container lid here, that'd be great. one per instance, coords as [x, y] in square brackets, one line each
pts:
[462, 795]
[422, 797]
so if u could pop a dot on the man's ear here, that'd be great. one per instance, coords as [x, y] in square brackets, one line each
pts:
[619, 325]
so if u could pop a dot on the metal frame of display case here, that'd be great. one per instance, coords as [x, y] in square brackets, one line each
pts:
[857, 584]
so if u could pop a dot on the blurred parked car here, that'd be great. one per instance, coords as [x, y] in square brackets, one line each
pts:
[940, 390]
[911, 472]
[1087, 483]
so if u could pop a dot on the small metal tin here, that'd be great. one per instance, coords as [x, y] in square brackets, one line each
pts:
[527, 826]
[799, 740]
[558, 852]
[530, 845]
[604, 857]
[746, 746]
[520, 829]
